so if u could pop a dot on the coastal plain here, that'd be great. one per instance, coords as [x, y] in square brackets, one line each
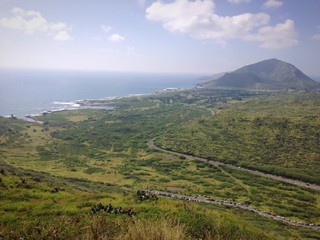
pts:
[59, 168]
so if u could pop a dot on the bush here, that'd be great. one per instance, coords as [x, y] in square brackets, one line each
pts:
[92, 170]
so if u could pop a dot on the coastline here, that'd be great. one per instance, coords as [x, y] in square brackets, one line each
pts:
[33, 92]
[102, 103]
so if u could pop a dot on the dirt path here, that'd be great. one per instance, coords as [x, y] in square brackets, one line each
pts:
[255, 172]
[235, 205]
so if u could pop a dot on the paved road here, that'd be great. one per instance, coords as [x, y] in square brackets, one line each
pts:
[255, 172]
[235, 205]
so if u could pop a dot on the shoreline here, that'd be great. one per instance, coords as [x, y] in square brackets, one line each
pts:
[87, 104]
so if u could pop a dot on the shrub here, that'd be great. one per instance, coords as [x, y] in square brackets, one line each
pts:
[92, 170]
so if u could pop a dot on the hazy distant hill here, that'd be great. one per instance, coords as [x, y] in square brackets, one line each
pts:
[205, 79]
[316, 78]
[267, 74]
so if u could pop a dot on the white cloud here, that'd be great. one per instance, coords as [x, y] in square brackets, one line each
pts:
[32, 21]
[181, 15]
[239, 1]
[283, 35]
[316, 36]
[62, 36]
[273, 4]
[28, 21]
[116, 38]
[58, 26]
[197, 18]
[106, 28]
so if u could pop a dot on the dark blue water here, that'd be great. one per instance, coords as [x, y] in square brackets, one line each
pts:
[25, 92]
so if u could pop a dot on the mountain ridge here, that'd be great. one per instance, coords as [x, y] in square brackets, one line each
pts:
[267, 74]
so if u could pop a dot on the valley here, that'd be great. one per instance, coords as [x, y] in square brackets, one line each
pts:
[88, 156]
[255, 172]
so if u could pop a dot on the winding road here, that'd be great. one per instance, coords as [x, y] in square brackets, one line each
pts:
[255, 172]
[235, 205]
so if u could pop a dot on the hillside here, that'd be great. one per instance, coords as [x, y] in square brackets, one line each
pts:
[56, 170]
[267, 74]
[260, 134]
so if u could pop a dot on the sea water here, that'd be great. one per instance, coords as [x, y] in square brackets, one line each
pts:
[28, 92]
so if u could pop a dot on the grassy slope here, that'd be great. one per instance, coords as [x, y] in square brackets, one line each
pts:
[30, 209]
[108, 150]
[278, 134]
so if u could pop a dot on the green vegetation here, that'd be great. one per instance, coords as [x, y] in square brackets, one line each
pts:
[33, 208]
[267, 74]
[55, 172]
[276, 134]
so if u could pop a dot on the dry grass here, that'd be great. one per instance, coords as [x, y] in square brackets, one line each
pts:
[77, 118]
[154, 230]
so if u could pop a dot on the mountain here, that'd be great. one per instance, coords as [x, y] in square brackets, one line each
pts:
[267, 74]
[212, 77]
[316, 78]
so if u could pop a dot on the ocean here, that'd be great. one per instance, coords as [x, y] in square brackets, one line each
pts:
[29, 92]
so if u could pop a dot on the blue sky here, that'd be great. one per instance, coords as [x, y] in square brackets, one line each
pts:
[198, 36]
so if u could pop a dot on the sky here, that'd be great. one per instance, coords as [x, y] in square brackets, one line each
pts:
[185, 36]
